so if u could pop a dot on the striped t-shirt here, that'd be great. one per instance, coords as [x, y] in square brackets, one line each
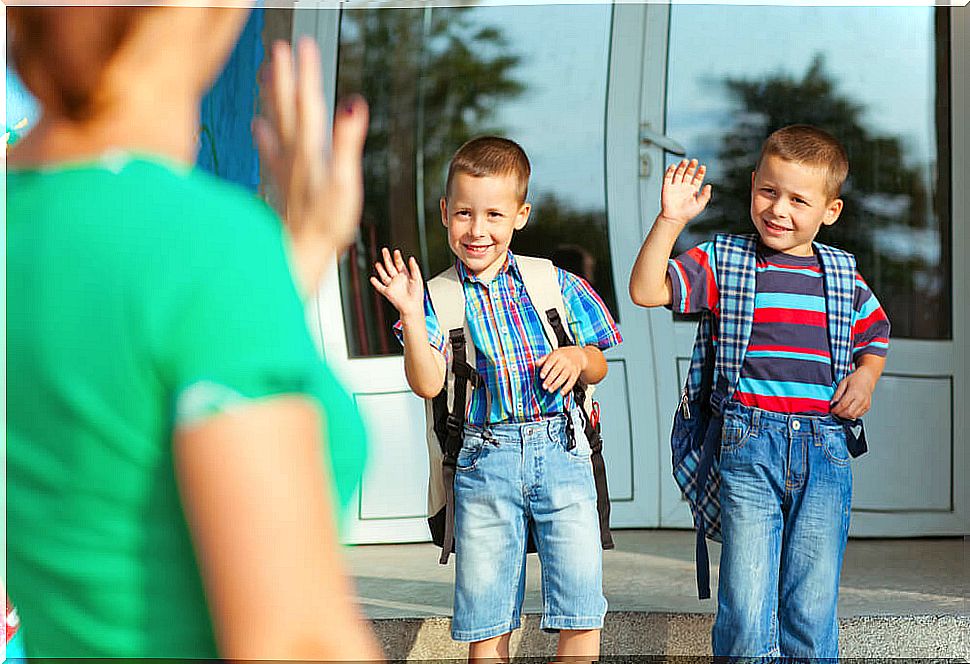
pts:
[788, 365]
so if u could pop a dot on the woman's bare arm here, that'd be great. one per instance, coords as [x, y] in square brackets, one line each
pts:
[258, 500]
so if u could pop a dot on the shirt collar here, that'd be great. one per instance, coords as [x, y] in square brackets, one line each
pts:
[509, 266]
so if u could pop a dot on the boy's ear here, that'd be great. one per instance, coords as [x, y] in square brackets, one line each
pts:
[443, 203]
[832, 212]
[522, 216]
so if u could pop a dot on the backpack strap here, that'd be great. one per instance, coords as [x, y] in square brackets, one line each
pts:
[735, 275]
[839, 269]
[542, 285]
[448, 299]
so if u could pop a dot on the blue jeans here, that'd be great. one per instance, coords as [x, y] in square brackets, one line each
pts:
[509, 480]
[786, 492]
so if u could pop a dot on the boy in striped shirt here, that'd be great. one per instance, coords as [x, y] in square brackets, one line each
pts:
[785, 480]
[518, 471]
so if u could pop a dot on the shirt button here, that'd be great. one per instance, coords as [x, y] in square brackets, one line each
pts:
[796, 425]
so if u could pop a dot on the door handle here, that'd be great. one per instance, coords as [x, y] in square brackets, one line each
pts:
[649, 136]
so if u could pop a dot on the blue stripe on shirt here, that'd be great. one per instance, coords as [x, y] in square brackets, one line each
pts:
[789, 301]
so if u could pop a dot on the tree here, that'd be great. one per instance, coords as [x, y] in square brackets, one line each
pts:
[887, 204]
[432, 79]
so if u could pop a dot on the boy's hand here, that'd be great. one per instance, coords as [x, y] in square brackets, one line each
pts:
[853, 397]
[560, 369]
[682, 198]
[400, 283]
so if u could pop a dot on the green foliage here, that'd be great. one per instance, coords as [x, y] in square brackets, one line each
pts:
[885, 194]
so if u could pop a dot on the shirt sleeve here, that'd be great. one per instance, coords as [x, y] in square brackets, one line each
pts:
[435, 336]
[693, 283]
[237, 333]
[590, 322]
[870, 325]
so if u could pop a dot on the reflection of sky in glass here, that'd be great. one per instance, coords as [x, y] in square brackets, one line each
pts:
[889, 82]
[559, 118]
[20, 104]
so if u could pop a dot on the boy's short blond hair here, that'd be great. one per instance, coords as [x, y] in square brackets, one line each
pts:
[491, 155]
[805, 144]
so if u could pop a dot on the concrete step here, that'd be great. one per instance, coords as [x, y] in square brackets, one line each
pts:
[643, 634]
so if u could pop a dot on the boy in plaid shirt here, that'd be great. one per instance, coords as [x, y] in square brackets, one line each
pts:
[786, 484]
[517, 470]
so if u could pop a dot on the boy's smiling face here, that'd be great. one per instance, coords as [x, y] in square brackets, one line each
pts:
[789, 204]
[481, 214]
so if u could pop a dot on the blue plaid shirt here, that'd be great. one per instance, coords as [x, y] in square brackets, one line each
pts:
[509, 338]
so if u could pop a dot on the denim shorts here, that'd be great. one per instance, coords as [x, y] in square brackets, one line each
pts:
[513, 478]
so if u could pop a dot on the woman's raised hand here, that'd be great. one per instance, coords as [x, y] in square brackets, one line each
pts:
[319, 182]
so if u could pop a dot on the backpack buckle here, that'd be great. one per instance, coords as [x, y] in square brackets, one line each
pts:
[454, 425]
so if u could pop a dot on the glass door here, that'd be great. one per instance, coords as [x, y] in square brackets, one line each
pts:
[896, 110]
[561, 80]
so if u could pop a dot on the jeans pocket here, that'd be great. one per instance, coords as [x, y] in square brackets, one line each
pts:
[835, 447]
[734, 435]
[471, 450]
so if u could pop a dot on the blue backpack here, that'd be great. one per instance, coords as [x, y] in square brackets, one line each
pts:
[715, 370]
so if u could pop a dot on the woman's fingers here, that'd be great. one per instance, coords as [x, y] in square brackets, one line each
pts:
[310, 109]
[268, 145]
[282, 90]
[349, 133]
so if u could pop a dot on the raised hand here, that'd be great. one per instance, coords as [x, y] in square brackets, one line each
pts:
[400, 283]
[320, 183]
[682, 198]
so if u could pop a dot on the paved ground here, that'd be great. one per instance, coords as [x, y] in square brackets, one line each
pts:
[653, 571]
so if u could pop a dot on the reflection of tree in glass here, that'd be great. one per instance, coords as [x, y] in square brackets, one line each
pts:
[555, 229]
[890, 222]
[433, 79]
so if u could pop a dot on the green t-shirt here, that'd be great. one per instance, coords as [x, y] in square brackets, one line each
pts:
[139, 296]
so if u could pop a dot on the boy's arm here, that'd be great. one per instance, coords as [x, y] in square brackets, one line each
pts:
[402, 285]
[682, 199]
[853, 397]
[424, 366]
[595, 370]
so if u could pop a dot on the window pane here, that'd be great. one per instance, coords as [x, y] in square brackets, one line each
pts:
[830, 67]
[436, 77]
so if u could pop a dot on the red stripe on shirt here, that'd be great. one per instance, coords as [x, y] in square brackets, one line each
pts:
[704, 261]
[782, 404]
[796, 316]
[790, 349]
[764, 263]
[862, 326]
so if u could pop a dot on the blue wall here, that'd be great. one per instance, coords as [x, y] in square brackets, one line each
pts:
[226, 141]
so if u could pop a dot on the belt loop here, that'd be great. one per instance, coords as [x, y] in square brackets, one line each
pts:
[755, 419]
